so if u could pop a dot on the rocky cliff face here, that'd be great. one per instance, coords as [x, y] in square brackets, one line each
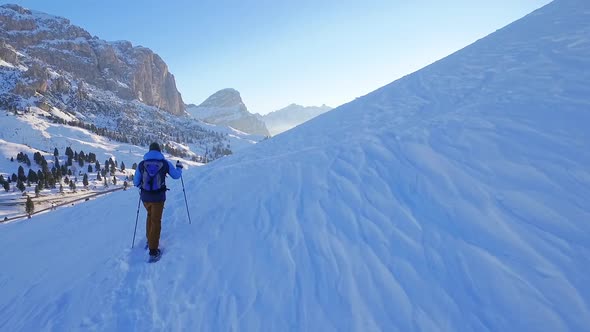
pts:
[129, 72]
[225, 107]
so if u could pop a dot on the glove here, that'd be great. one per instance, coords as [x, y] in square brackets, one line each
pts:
[179, 165]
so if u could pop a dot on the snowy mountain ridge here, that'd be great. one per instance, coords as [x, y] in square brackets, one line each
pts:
[453, 199]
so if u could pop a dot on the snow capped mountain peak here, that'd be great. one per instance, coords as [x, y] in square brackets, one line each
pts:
[225, 107]
[15, 8]
[21, 20]
[225, 98]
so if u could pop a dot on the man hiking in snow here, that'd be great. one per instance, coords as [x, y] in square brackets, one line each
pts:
[150, 177]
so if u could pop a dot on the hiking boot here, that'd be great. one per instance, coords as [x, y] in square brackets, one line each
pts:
[155, 252]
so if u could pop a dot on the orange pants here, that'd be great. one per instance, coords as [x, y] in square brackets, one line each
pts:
[153, 223]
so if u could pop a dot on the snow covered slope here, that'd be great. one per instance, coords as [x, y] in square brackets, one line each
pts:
[454, 199]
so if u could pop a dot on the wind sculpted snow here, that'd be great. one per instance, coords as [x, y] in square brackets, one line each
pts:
[454, 199]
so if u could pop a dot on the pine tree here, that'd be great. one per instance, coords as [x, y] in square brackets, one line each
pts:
[114, 180]
[44, 167]
[32, 177]
[20, 185]
[134, 166]
[6, 186]
[55, 152]
[89, 168]
[21, 174]
[29, 206]
[85, 180]
[122, 166]
[50, 181]
[98, 177]
[37, 190]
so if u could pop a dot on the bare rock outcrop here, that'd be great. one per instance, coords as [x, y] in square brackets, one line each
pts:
[129, 72]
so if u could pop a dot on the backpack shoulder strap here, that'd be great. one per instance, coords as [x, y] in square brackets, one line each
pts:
[165, 167]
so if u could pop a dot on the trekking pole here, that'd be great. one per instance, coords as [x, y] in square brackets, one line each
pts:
[185, 201]
[137, 217]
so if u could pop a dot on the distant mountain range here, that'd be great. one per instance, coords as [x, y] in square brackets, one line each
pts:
[226, 107]
[291, 116]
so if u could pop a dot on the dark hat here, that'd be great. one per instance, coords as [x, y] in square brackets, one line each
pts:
[155, 146]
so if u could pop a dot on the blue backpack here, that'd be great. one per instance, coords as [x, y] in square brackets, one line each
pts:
[153, 175]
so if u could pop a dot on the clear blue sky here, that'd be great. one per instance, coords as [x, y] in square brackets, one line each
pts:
[277, 52]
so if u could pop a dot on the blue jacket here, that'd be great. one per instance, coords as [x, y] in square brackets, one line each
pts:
[160, 196]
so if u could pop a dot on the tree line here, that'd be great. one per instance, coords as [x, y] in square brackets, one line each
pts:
[196, 134]
[62, 173]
